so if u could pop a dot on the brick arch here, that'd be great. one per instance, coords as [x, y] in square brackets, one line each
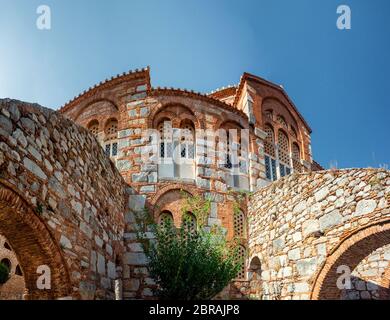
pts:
[171, 201]
[385, 285]
[163, 110]
[172, 187]
[349, 252]
[86, 106]
[33, 245]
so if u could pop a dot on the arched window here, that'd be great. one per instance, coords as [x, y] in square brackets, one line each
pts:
[111, 136]
[165, 218]
[270, 141]
[187, 140]
[284, 154]
[296, 153]
[111, 129]
[239, 224]
[6, 262]
[7, 246]
[94, 127]
[189, 221]
[254, 272]
[280, 119]
[233, 146]
[166, 147]
[296, 158]
[18, 271]
[270, 154]
[284, 150]
[242, 260]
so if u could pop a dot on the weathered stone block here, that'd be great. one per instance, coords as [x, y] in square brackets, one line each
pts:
[330, 220]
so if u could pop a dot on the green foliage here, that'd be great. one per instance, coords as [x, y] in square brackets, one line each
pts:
[4, 273]
[198, 206]
[190, 265]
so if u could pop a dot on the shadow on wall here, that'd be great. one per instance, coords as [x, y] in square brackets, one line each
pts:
[365, 290]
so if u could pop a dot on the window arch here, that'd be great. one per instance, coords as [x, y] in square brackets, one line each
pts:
[284, 149]
[7, 246]
[18, 271]
[163, 127]
[270, 140]
[190, 222]
[270, 153]
[111, 129]
[166, 147]
[187, 140]
[111, 136]
[239, 224]
[254, 272]
[165, 218]
[296, 153]
[296, 158]
[242, 260]
[93, 126]
[233, 148]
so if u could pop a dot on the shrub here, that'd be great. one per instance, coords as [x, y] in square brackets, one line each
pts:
[4, 273]
[190, 265]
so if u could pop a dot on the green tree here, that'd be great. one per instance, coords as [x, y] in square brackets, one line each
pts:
[190, 264]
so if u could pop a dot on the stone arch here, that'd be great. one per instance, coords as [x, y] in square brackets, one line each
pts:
[33, 245]
[254, 277]
[349, 252]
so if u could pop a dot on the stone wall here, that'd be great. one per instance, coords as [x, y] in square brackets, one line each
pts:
[304, 227]
[62, 203]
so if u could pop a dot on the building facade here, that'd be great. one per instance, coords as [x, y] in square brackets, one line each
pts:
[236, 139]
[73, 181]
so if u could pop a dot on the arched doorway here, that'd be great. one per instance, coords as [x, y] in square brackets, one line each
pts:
[254, 278]
[347, 256]
[34, 246]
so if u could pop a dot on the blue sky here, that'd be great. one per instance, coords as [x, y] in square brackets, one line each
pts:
[338, 79]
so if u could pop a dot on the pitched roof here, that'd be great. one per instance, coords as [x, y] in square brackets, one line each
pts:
[247, 76]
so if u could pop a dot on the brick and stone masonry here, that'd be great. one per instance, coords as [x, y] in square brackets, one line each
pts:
[72, 181]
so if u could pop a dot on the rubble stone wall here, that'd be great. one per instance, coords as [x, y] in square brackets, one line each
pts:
[304, 227]
[62, 203]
